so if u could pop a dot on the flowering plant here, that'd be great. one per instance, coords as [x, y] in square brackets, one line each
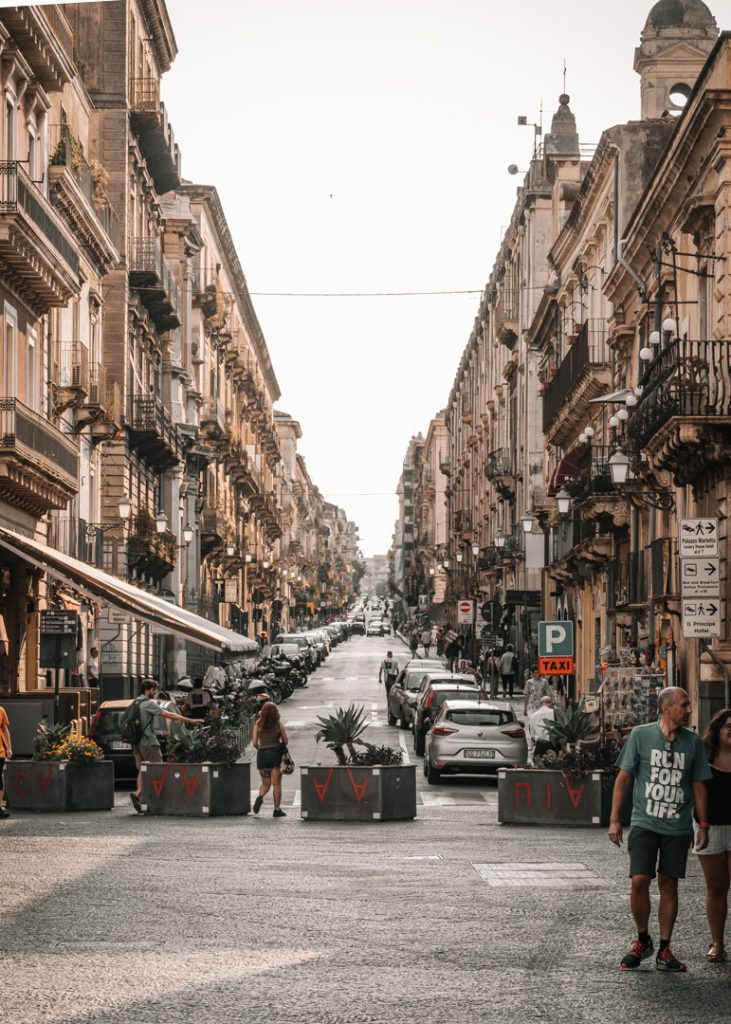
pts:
[77, 749]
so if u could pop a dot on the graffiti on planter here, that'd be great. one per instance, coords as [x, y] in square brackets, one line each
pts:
[321, 788]
[20, 782]
[575, 795]
[191, 784]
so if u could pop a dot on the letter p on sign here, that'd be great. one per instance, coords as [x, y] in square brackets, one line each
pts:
[555, 639]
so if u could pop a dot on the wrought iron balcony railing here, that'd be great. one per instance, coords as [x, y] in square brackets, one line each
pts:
[686, 379]
[587, 352]
[500, 463]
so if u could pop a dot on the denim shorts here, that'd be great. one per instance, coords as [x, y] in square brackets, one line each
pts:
[653, 852]
[719, 841]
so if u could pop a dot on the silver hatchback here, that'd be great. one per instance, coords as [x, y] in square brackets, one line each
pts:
[473, 739]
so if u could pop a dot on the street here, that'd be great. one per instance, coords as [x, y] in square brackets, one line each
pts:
[115, 918]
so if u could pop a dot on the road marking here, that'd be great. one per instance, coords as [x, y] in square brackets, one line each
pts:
[297, 798]
[437, 800]
[402, 744]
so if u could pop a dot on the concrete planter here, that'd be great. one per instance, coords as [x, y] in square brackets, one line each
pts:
[59, 786]
[196, 790]
[537, 796]
[345, 793]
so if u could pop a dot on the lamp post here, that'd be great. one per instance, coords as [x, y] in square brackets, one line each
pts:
[95, 531]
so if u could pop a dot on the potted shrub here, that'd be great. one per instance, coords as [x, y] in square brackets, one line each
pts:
[371, 784]
[571, 784]
[67, 773]
[203, 775]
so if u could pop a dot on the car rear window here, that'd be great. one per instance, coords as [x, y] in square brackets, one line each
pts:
[441, 695]
[465, 717]
[109, 721]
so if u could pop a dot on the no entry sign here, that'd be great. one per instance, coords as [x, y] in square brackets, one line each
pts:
[465, 612]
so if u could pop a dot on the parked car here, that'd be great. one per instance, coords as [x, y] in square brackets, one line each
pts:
[306, 644]
[104, 730]
[402, 696]
[375, 628]
[475, 738]
[432, 699]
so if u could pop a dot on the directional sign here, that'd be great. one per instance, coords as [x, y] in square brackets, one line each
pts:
[697, 537]
[555, 639]
[700, 577]
[702, 617]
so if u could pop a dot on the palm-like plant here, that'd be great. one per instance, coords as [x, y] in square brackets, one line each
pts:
[569, 726]
[342, 729]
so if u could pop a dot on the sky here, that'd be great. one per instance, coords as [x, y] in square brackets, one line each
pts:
[362, 146]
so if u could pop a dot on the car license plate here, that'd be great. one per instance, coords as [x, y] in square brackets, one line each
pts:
[479, 753]
[121, 745]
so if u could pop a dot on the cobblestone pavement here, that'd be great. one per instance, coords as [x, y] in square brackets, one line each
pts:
[113, 918]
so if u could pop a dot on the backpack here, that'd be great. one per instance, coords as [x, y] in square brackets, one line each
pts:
[130, 724]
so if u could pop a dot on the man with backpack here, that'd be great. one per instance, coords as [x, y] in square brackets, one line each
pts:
[388, 671]
[507, 672]
[138, 726]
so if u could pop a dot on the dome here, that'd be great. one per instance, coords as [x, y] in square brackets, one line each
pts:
[680, 14]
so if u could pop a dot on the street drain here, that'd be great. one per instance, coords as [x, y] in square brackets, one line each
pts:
[543, 876]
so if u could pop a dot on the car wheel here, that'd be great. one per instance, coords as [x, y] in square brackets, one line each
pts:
[424, 766]
[402, 720]
[419, 742]
[391, 717]
[433, 775]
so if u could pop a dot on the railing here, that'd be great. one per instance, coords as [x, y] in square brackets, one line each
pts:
[213, 521]
[570, 533]
[213, 410]
[98, 394]
[687, 378]
[462, 522]
[149, 415]
[628, 581]
[593, 475]
[144, 95]
[22, 428]
[586, 351]
[499, 463]
[146, 257]
[66, 151]
[19, 193]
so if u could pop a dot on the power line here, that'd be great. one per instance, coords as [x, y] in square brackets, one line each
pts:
[359, 295]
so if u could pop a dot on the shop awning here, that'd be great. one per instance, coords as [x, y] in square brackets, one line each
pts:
[139, 604]
[567, 469]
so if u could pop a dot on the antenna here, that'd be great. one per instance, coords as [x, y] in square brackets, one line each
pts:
[564, 74]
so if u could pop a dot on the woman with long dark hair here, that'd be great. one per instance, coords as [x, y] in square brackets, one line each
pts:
[716, 857]
[270, 741]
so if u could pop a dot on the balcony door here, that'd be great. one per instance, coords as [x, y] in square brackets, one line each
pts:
[10, 354]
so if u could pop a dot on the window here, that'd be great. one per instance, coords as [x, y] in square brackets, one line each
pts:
[9, 128]
[10, 354]
[31, 371]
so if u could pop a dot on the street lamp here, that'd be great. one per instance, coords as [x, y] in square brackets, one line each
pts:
[445, 563]
[527, 521]
[125, 507]
[619, 467]
[187, 534]
[563, 502]
[230, 549]
[500, 539]
[161, 521]
[475, 548]
[460, 556]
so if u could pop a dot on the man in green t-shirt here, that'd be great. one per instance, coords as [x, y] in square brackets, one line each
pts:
[667, 764]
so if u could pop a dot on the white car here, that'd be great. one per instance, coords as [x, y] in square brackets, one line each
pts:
[375, 628]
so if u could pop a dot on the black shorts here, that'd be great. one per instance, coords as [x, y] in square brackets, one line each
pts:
[268, 758]
[652, 853]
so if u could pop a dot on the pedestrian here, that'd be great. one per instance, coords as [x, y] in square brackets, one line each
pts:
[507, 671]
[492, 672]
[539, 741]
[716, 857]
[148, 749]
[668, 766]
[6, 752]
[426, 640]
[388, 672]
[270, 742]
[198, 701]
[173, 727]
[414, 641]
[440, 641]
[536, 687]
[453, 651]
[92, 667]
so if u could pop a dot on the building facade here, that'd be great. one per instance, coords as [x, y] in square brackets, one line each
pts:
[143, 483]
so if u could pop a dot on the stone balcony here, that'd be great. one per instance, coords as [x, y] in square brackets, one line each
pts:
[39, 465]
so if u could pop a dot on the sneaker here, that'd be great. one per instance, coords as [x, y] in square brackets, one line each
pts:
[665, 961]
[279, 813]
[636, 953]
[3, 813]
[257, 804]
